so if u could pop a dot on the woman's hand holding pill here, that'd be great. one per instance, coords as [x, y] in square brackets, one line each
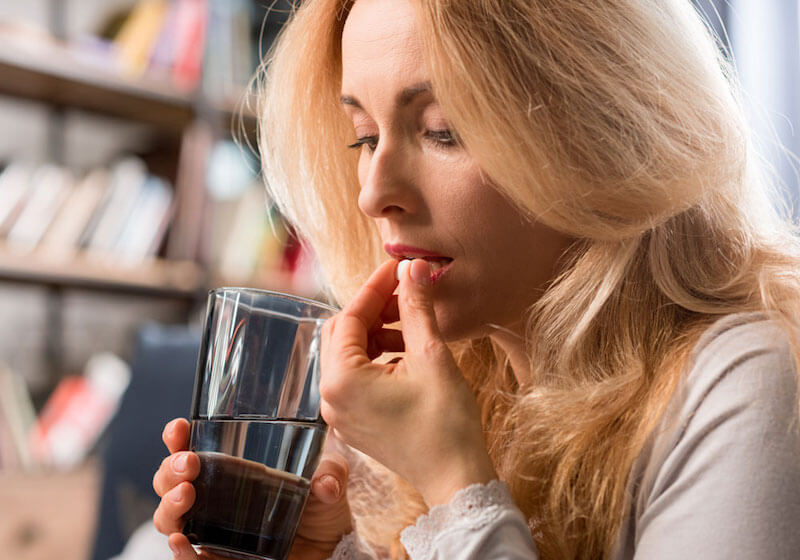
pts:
[416, 414]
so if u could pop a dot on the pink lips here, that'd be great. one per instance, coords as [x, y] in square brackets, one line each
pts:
[400, 252]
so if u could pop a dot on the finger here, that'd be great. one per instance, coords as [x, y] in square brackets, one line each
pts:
[178, 467]
[420, 329]
[385, 340]
[329, 483]
[364, 310]
[390, 313]
[176, 435]
[181, 547]
[168, 517]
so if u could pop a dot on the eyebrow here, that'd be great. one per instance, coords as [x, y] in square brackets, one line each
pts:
[403, 98]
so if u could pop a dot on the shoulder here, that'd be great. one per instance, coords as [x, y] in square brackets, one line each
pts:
[735, 339]
[727, 451]
[745, 361]
[741, 379]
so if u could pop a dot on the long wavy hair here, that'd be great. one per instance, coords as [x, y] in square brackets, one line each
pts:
[617, 122]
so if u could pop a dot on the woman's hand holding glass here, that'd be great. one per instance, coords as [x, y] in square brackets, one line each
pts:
[325, 520]
[416, 415]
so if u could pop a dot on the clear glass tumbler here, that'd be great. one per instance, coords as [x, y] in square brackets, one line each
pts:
[255, 421]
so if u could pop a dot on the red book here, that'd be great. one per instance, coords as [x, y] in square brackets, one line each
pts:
[190, 41]
[78, 411]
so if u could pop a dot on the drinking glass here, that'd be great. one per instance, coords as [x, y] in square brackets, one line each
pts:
[255, 421]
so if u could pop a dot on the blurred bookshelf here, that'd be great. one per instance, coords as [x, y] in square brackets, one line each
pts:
[146, 230]
[158, 278]
[175, 90]
[53, 72]
[165, 222]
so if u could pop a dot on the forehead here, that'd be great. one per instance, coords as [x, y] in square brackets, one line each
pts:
[380, 42]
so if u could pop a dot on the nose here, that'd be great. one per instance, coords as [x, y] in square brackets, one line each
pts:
[387, 189]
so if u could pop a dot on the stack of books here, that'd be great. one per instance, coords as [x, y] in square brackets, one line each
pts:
[124, 216]
[190, 42]
[71, 422]
[119, 214]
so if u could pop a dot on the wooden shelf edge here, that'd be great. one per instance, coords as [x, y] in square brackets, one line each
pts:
[64, 75]
[178, 279]
[156, 277]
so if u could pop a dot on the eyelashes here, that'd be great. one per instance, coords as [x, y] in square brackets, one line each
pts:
[442, 139]
[370, 142]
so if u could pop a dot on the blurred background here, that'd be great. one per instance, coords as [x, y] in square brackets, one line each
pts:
[129, 187]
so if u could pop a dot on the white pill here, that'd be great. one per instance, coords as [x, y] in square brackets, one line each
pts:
[402, 266]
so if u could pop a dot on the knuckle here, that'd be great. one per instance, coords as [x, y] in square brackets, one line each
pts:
[328, 414]
[157, 521]
[417, 302]
[187, 488]
[157, 483]
[165, 433]
[432, 348]
[332, 388]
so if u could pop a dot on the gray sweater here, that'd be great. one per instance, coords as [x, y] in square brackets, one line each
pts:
[720, 478]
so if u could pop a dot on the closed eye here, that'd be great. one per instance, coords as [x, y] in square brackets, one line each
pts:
[445, 138]
[371, 142]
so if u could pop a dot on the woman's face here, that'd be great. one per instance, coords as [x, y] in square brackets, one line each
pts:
[425, 192]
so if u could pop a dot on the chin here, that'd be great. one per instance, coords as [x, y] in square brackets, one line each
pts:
[455, 328]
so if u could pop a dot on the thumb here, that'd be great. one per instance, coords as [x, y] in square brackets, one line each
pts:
[415, 302]
[329, 483]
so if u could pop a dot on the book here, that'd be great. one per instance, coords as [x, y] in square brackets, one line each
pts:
[244, 60]
[138, 36]
[145, 227]
[78, 411]
[248, 224]
[127, 179]
[14, 190]
[229, 62]
[163, 53]
[190, 40]
[62, 239]
[49, 186]
[17, 417]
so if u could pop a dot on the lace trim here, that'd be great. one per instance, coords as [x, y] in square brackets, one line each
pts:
[351, 547]
[471, 508]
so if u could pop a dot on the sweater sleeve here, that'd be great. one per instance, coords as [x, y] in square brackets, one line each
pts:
[723, 478]
[480, 522]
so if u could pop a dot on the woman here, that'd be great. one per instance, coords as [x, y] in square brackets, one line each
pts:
[600, 309]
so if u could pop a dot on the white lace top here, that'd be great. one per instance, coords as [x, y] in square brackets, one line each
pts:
[720, 478]
[479, 518]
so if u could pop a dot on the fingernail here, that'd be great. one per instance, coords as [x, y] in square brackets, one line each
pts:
[179, 463]
[421, 273]
[175, 495]
[175, 550]
[331, 482]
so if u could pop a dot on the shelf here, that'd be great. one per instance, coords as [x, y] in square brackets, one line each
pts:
[52, 72]
[159, 278]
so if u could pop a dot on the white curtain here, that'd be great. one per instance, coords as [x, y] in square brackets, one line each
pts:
[764, 38]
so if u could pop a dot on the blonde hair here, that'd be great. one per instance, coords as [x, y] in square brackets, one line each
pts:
[617, 122]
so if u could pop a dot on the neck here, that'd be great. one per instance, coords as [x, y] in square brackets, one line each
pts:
[512, 341]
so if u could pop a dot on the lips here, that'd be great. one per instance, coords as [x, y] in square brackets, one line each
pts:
[439, 263]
